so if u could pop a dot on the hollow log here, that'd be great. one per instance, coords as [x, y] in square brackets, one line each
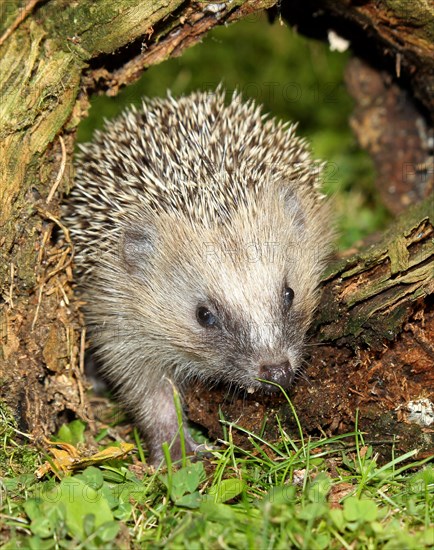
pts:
[53, 54]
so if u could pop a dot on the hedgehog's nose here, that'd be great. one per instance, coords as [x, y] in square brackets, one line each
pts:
[280, 373]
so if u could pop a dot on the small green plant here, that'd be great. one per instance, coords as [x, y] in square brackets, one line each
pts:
[183, 485]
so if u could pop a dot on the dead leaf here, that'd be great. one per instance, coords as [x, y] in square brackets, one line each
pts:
[67, 458]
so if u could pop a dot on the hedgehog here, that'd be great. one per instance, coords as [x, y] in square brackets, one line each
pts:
[200, 236]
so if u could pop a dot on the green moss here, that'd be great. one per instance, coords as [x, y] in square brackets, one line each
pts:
[15, 457]
[420, 14]
[8, 12]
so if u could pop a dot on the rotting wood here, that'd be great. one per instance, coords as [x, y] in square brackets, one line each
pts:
[395, 133]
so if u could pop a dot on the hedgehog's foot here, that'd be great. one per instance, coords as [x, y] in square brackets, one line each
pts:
[162, 426]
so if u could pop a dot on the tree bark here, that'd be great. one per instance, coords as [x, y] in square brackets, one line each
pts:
[377, 306]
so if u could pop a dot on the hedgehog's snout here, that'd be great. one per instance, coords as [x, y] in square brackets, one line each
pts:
[278, 373]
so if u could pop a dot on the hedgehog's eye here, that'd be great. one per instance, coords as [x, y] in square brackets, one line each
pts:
[205, 318]
[288, 296]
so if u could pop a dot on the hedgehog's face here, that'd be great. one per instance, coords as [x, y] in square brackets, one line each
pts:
[233, 304]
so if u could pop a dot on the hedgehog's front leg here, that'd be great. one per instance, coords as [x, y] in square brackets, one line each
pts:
[159, 422]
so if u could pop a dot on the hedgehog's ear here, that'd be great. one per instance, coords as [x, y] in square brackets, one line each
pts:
[138, 246]
[294, 208]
